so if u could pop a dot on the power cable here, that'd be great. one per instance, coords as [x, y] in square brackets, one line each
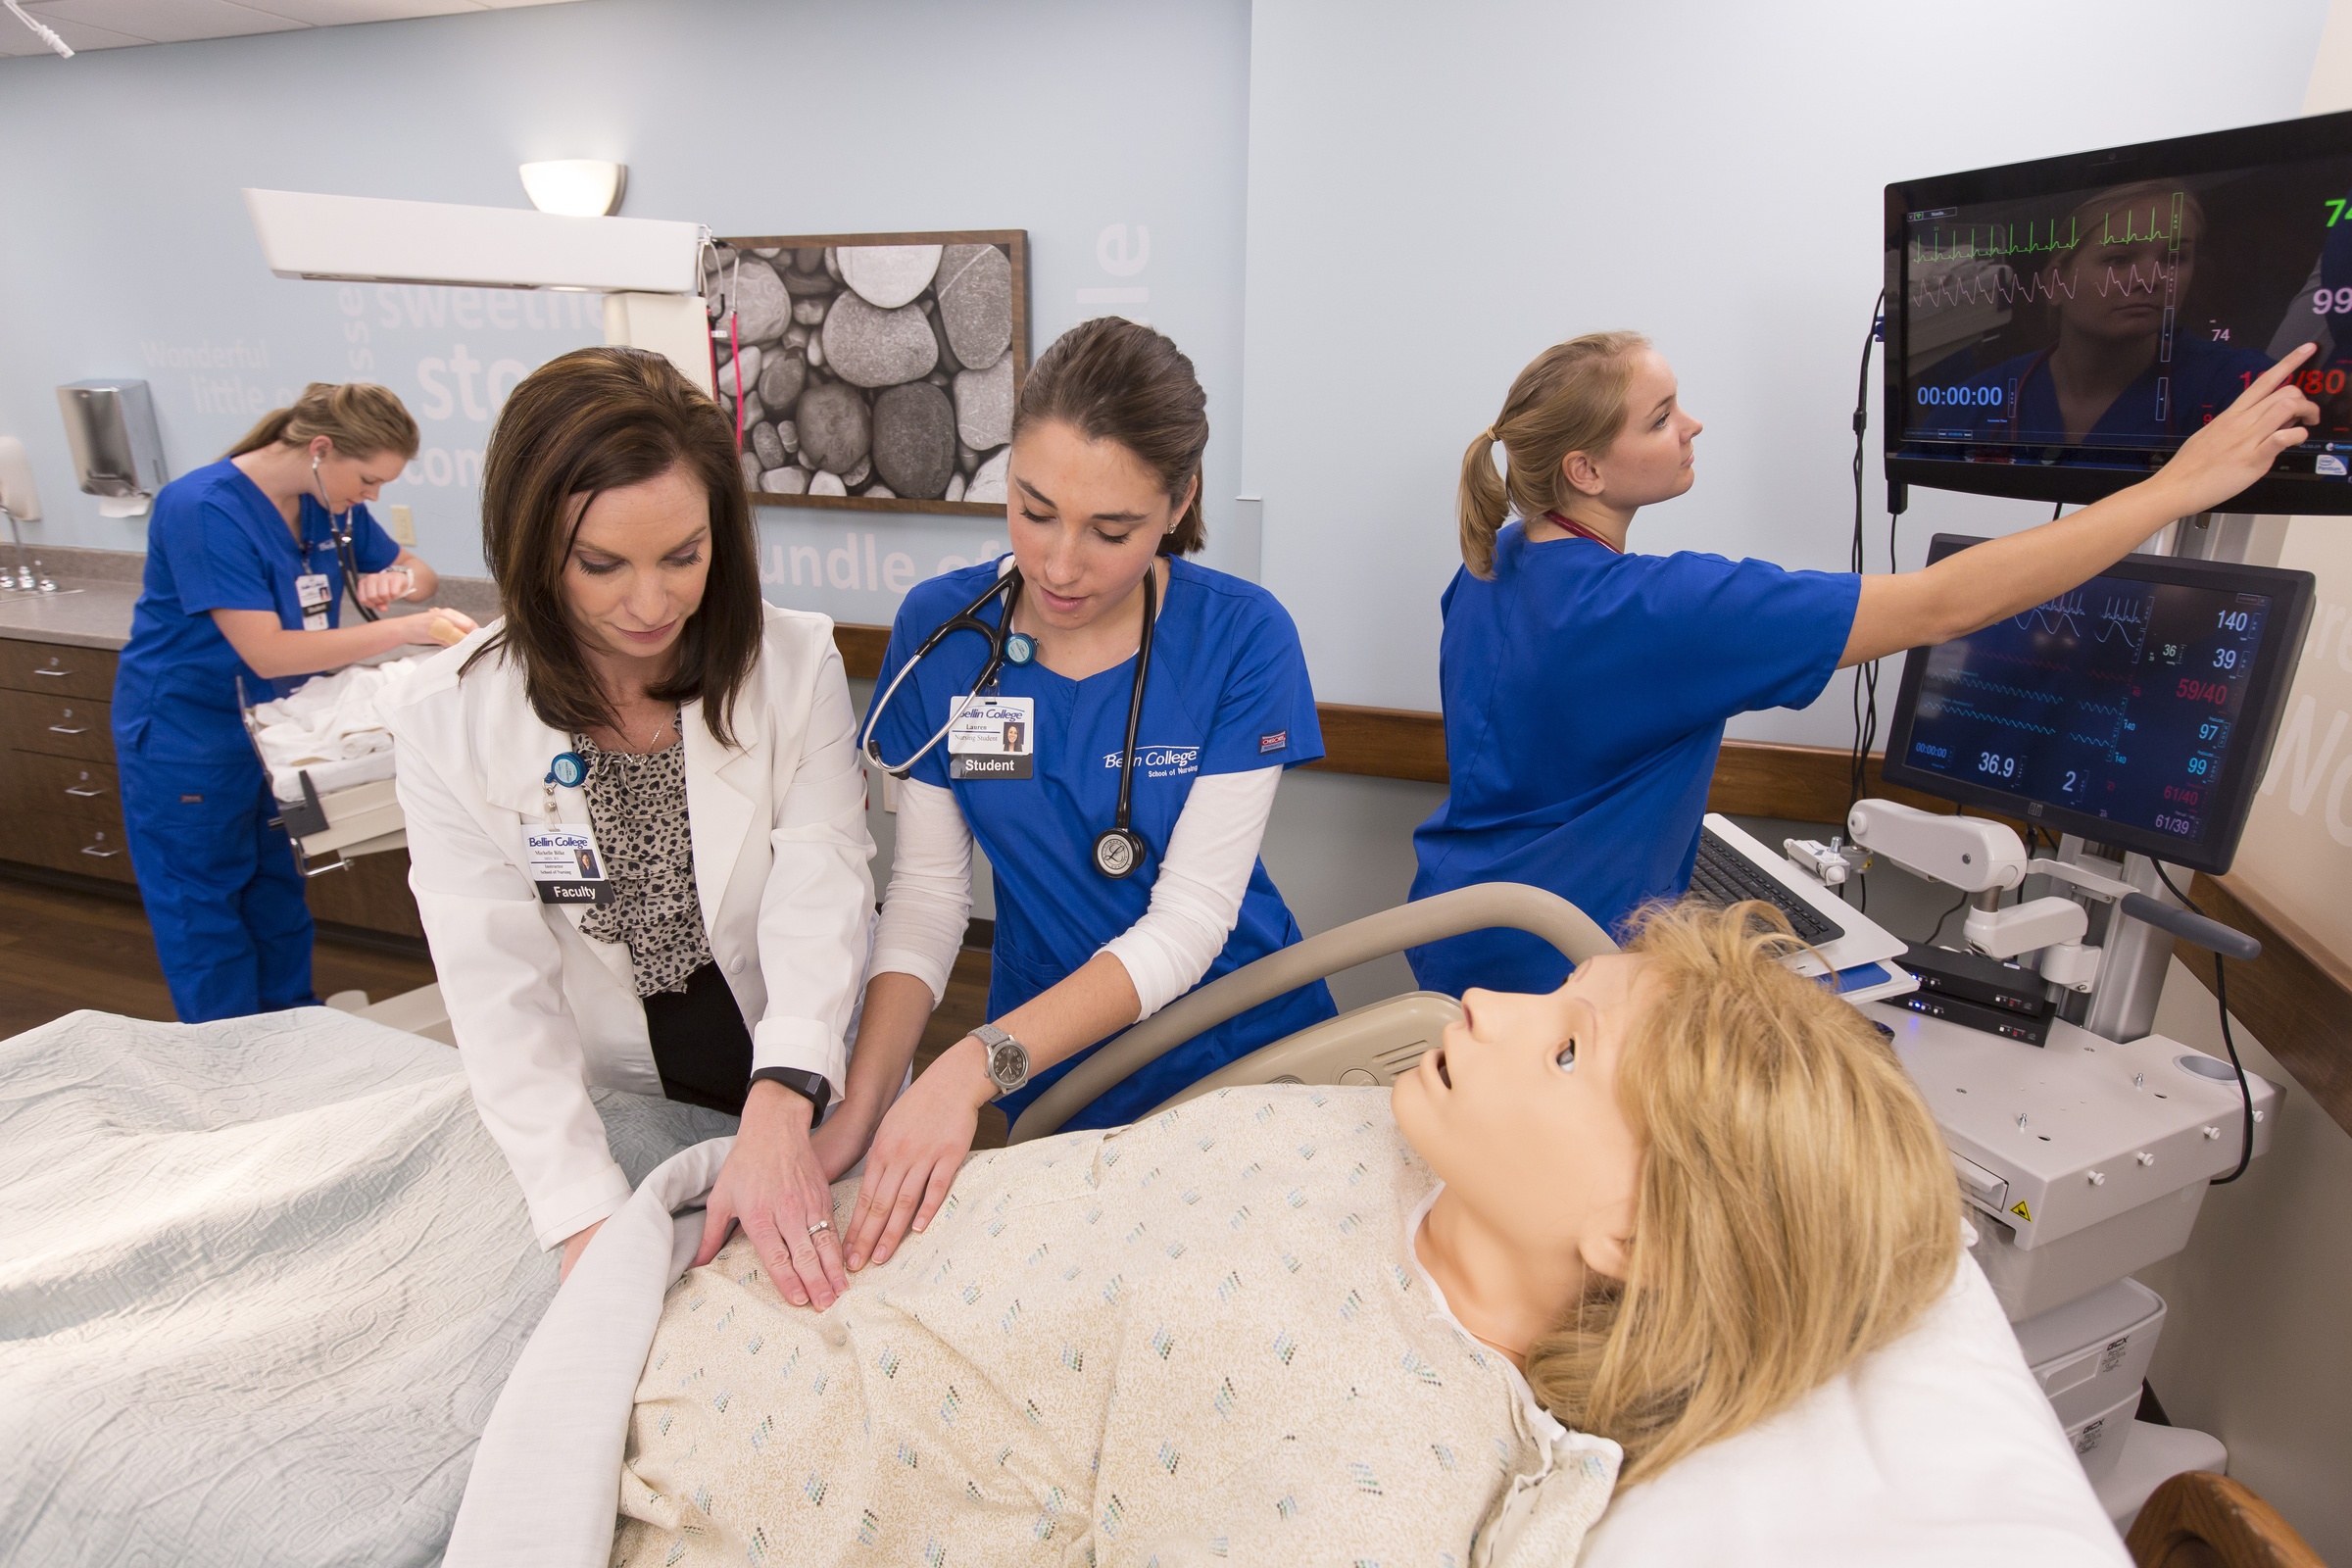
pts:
[2221, 997]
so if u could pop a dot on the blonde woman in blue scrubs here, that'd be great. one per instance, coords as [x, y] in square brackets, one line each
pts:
[1585, 686]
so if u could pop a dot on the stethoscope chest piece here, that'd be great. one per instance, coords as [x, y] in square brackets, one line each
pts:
[1118, 852]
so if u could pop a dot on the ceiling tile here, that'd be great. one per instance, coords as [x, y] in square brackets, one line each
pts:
[338, 12]
[18, 39]
[162, 21]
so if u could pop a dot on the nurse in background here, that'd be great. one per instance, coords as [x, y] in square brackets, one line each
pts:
[1585, 688]
[242, 582]
[1105, 488]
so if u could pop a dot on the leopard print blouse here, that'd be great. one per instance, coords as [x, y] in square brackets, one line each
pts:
[637, 805]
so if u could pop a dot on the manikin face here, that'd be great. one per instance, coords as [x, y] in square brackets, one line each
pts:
[344, 482]
[1086, 519]
[640, 558]
[1516, 1111]
[1652, 458]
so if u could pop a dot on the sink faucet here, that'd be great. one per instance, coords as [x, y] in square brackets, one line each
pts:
[24, 572]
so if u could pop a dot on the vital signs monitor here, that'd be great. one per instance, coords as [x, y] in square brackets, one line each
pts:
[2055, 329]
[2137, 710]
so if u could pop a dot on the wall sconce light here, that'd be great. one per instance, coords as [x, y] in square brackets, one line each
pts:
[577, 187]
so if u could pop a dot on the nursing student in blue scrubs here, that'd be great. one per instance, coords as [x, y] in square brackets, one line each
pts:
[1587, 686]
[1103, 505]
[242, 580]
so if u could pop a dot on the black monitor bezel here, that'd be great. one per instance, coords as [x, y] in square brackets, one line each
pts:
[2293, 594]
[2314, 135]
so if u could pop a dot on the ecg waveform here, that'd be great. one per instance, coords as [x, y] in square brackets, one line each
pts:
[2002, 239]
[2125, 618]
[2002, 285]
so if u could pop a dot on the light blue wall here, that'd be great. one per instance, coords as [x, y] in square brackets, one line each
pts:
[1439, 191]
[127, 251]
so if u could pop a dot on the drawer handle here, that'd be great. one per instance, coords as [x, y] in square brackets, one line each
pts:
[60, 729]
[102, 855]
[83, 794]
[54, 674]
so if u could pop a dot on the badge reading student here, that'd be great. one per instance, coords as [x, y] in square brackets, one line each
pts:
[312, 592]
[565, 863]
[993, 737]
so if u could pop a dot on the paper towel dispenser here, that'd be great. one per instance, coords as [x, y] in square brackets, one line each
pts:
[118, 451]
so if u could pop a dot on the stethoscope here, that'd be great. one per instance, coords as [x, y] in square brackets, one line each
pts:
[338, 529]
[1119, 849]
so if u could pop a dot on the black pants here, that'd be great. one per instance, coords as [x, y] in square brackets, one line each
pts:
[701, 1047]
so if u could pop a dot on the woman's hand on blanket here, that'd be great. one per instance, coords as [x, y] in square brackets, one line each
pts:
[573, 1248]
[774, 1186]
[921, 1143]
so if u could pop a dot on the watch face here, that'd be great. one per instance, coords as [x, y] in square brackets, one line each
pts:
[1008, 1062]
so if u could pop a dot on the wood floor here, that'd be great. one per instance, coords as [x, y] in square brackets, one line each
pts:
[62, 951]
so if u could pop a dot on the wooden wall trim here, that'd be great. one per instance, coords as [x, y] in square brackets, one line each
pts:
[2297, 998]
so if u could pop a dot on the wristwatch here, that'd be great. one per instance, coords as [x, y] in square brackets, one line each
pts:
[813, 1087]
[1007, 1058]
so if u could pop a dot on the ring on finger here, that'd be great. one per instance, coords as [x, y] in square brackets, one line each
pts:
[820, 1225]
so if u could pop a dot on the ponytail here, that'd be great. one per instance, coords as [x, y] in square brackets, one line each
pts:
[360, 418]
[1483, 505]
[1570, 398]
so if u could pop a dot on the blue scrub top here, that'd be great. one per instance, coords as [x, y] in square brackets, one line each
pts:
[215, 542]
[1227, 692]
[1586, 693]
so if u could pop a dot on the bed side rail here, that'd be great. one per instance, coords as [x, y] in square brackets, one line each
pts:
[1472, 908]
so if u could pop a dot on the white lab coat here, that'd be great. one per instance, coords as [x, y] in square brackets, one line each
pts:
[540, 1011]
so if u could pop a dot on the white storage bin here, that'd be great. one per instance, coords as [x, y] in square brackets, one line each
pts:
[2099, 1442]
[2093, 1351]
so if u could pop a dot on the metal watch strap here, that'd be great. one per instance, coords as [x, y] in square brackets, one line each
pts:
[1007, 1058]
[813, 1087]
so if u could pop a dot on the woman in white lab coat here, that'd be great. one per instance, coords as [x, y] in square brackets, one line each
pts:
[640, 702]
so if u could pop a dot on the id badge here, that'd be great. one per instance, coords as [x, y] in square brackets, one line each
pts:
[312, 592]
[993, 737]
[565, 864]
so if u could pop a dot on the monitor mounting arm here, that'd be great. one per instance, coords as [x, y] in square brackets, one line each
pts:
[1986, 857]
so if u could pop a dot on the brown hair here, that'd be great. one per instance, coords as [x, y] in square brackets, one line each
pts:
[1570, 398]
[360, 418]
[1795, 1208]
[588, 421]
[1114, 380]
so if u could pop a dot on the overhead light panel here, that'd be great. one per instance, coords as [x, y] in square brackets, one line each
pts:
[371, 239]
[577, 187]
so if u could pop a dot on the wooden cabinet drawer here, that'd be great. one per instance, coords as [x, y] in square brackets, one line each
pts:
[64, 785]
[57, 727]
[68, 844]
[55, 670]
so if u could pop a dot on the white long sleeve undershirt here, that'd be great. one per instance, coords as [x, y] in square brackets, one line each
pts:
[1195, 902]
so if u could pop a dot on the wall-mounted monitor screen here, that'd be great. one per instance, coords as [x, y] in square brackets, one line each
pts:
[2056, 329]
[2137, 710]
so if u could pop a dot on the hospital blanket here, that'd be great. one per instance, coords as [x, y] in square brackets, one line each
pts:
[261, 1282]
[330, 724]
[1202, 1338]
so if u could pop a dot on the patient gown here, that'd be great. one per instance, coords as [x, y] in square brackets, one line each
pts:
[1201, 1338]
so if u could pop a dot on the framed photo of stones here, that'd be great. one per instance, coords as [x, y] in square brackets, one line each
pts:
[873, 372]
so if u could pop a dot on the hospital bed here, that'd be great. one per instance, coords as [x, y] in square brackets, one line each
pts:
[339, 806]
[264, 1285]
[1940, 1449]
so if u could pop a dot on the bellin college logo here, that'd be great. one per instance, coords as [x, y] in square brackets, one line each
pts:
[1159, 761]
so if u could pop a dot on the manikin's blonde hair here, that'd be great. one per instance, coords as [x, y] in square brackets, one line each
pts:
[1570, 398]
[1797, 1208]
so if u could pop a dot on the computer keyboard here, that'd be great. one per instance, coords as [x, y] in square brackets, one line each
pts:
[1724, 876]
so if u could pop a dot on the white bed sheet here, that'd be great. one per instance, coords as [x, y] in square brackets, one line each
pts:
[260, 1283]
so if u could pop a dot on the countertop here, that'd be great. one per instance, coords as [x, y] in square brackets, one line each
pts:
[97, 588]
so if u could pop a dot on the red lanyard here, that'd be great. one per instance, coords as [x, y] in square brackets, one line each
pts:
[1580, 532]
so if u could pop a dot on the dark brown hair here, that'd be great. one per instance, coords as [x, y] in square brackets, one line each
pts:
[592, 420]
[361, 418]
[1112, 379]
